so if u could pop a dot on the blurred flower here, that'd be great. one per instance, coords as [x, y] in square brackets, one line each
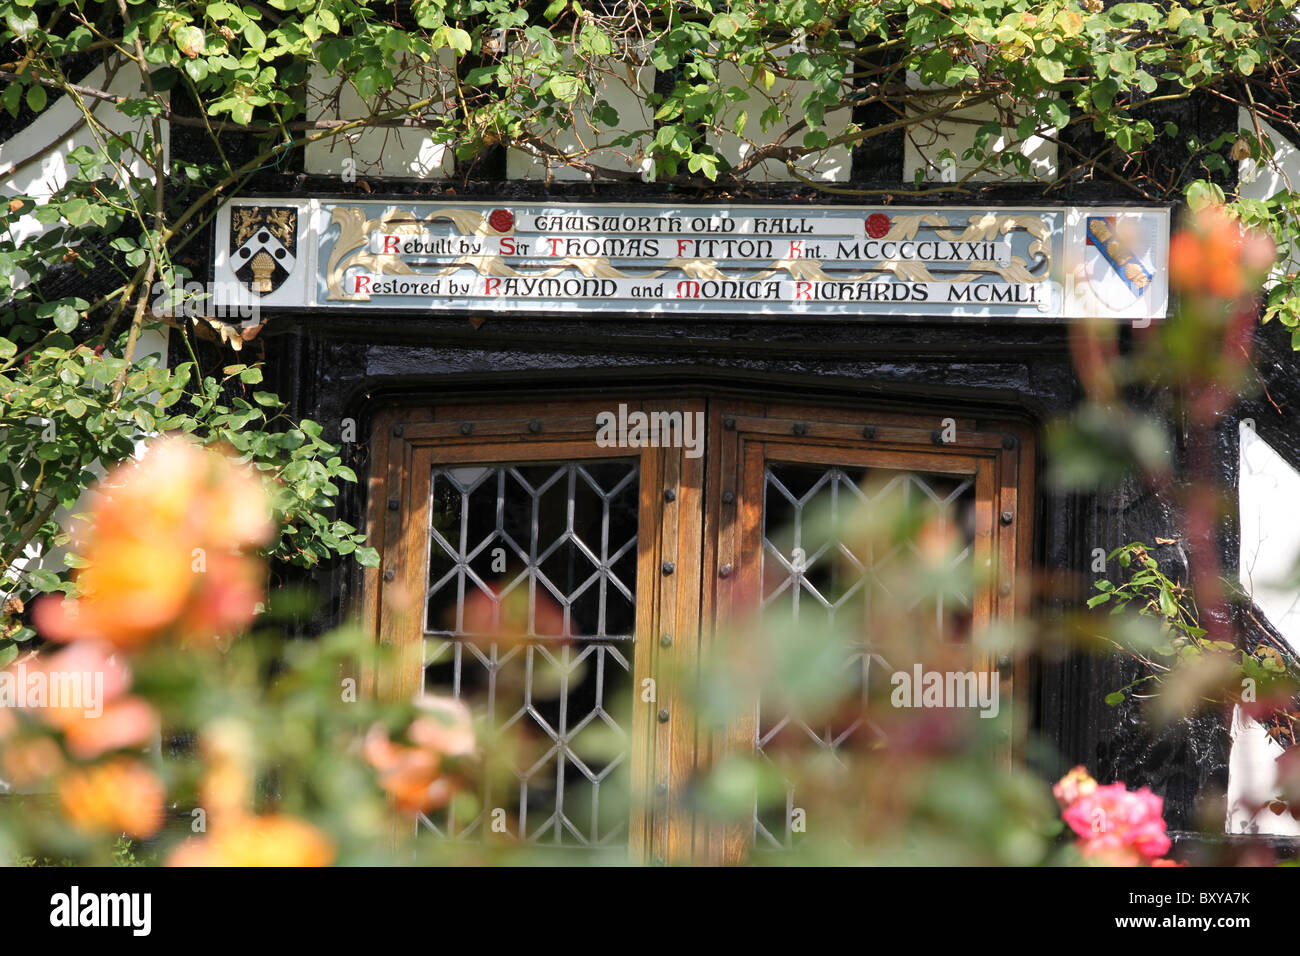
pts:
[413, 776]
[512, 616]
[163, 551]
[227, 783]
[938, 542]
[1214, 257]
[1075, 784]
[1119, 826]
[98, 716]
[127, 723]
[28, 761]
[273, 840]
[445, 726]
[120, 796]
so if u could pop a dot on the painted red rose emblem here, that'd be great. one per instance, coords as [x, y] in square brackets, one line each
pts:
[502, 220]
[877, 225]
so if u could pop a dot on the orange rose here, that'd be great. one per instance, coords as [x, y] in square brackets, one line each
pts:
[412, 776]
[275, 840]
[1214, 257]
[163, 554]
[28, 762]
[227, 785]
[409, 776]
[120, 796]
[198, 492]
[511, 616]
[125, 724]
[445, 726]
[101, 717]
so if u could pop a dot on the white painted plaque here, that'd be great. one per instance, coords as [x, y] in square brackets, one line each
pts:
[989, 263]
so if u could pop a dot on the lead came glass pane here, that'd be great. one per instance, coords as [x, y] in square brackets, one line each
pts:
[529, 617]
[812, 578]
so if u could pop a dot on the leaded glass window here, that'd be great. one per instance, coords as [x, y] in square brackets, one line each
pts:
[530, 617]
[813, 575]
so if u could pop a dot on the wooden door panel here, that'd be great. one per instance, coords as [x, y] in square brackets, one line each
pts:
[699, 553]
[508, 438]
[757, 437]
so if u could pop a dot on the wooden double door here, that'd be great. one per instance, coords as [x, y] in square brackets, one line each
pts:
[567, 580]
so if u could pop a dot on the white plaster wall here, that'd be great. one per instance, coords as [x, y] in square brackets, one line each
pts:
[395, 153]
[832, 165]
[1270, 540]
[1267, 490]
[622, 84]
[1263, 181]
[53, 131]
[925, 141]
[1260, 181]
[54, 134]
[1252, 781]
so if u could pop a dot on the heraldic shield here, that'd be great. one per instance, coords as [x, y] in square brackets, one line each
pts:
[263, 245]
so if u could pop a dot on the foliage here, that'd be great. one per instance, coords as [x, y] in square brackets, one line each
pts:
[64, 416]
[488, 73]
[1259, 671]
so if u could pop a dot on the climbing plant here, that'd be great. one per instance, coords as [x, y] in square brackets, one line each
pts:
[784, 81]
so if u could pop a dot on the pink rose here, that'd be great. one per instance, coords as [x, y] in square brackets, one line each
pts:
[1117, 824]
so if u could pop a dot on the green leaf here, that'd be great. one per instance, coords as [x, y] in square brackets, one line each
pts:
[595, 42]
[66, 318]
[1114, 699]
[1202, 193]
[1168, 607]
[22, 24]
[43, 580]
[1124, 63]
[1059, 113]
[454, 37]
[1052, 71]
[254, 36]
[140, 107]
[429, 15]
[366, 80]
[36, 97]
[13, 98]
[726, 25]
[564, 87]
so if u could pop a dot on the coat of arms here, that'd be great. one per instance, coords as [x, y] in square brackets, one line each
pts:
[263, 244]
